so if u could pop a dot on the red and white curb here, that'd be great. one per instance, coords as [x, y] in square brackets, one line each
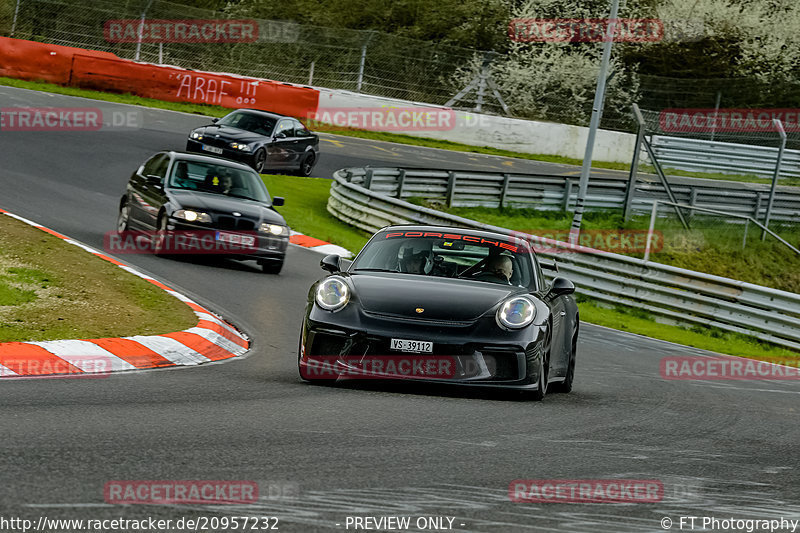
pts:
[212, 339]
[318, 245]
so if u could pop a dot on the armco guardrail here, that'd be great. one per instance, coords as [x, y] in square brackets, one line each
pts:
[712, 156]
[673, 294]
[493, 189]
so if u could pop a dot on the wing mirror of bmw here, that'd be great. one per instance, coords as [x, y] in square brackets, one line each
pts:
[561, 286]
[154, 180]
[278, 201]
[331, 263]
[214, 120]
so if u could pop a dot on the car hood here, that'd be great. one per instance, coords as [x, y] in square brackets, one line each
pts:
[440, 298]
[216, 203]
[231, 134]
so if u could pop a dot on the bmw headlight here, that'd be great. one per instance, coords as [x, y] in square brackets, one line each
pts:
[273, 229]
[240, 146]
[196, 135]
[332, 294]
[192, 216]
[516, 313]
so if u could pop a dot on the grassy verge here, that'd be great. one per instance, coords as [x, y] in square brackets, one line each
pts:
[305, 210]
[217, 111]
[53, 290]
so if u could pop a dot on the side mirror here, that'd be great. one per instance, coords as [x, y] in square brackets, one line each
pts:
[279, 135]
[561, 286]
[278, 201]
[331, 263]
[214, 120]
[152, 179]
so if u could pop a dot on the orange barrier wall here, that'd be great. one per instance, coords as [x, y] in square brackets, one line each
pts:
[106, 72]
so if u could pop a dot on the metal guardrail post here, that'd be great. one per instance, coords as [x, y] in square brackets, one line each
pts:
[504, 192]
[778, 126]
[649, 243]
[631, 189]
[368, 179]
[567, 193]
[401, 181]
[451, 188]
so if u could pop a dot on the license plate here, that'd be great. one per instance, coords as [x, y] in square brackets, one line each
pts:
[235, 238]
[412, 346]
[212, 149]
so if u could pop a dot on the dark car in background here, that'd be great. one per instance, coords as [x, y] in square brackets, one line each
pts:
[210, 197]
[262, 140]
[446, 305]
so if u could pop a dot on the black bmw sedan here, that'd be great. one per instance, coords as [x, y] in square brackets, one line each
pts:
[445, 305]
[265, 141]
[197, 204]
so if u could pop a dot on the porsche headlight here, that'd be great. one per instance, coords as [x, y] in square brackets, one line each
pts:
[516, 313]
[240, 146]
[273, 229]
[192, 216]
[333, 294]
[196, 135]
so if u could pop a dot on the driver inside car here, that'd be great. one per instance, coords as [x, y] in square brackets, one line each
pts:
[498, 269]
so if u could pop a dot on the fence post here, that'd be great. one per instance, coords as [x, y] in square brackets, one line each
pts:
[653, 214]
[631, 189]
[140, 31]
[778, 126]
[311, 73]
[401, 181]
[567, 193]
[692, 201]
[363, 61]
[504, 192]
[451, 187]
[14, 22]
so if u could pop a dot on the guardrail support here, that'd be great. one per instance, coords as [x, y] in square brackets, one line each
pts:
[567, 193]
[631, 189]
[368, 179]
[504, 192]
[401, 181]
[451, 188]
[778, 126]
[653, 214]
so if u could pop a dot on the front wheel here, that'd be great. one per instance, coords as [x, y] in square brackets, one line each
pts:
[260, 160]
[123, 218]
[566, 385]
[272, 267]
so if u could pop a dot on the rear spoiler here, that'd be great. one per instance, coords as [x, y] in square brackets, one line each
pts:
[549, 265]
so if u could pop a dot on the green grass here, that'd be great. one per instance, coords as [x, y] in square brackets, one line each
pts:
[712, 339]
[52, 290]
[217, 111]
[305, 210]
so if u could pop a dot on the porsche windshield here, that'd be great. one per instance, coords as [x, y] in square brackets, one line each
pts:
[253, 122]
[218, 179]
[448, 255]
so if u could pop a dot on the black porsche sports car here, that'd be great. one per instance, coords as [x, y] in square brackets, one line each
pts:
[265, 141]
[181, 195]
[442, 304]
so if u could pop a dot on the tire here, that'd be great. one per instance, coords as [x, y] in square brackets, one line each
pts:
[272, 267]
[544, 367]
[123, 218]
[566, 385]
[161, 230]
[260, 160]
[307, 165]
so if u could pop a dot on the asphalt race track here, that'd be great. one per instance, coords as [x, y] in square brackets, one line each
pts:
[321, 454]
